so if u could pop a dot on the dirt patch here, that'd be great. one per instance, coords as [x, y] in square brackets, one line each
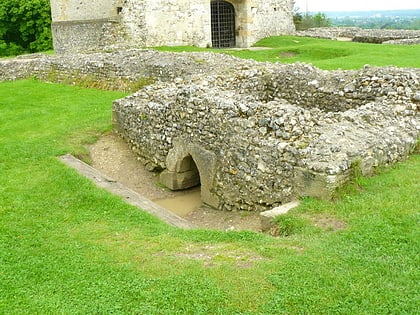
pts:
[215, 255]
[288, 54]
[344, 39]
[328, 223]
[112, 156]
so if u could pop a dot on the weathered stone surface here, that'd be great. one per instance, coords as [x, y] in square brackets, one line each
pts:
[97, 25]
[356, 34]
[190, 164]
[180, 180]
[267, 217]
[403, 41]
[259, 134]
[269, 150]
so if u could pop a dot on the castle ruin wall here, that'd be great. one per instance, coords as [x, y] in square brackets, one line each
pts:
[373, 36]
[266, 153]
[103, 25]
[258, 134]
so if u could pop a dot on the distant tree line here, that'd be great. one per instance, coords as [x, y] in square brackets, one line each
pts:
[406, 19]
[303, 21]
[379, 22]
[25, 26]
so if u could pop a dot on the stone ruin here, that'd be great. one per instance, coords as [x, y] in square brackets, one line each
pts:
[254, 135]
[372, 36]
[81, 26]
[266, 134]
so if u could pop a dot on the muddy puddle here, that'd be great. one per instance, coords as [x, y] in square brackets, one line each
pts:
[183, 203]
[111, 156]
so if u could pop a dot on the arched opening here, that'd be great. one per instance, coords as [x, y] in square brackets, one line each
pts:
[188, 175]
[222, 24]
[189, 165]
[186, 181]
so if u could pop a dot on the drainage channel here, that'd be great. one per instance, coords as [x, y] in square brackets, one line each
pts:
[183, 203]
[129, 195]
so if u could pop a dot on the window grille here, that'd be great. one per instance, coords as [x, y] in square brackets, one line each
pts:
[222, 24]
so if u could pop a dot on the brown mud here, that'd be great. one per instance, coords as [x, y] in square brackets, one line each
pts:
[112, 156]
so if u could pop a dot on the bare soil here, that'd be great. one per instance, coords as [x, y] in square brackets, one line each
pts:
[288, 54]
[111, 156]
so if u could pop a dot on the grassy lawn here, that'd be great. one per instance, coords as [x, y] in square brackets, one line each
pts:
[323, 53]
[67, 247]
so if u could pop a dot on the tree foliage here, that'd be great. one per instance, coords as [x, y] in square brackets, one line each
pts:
[307, 20]
[406, 23]
[25, 26]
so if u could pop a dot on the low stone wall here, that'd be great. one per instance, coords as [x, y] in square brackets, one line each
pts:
[255, 135]
[330, 32]
[128, 65]
[375, 36]
[256, 152]
[407, 41]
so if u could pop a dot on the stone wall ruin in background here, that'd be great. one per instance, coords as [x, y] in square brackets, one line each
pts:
[95, 25]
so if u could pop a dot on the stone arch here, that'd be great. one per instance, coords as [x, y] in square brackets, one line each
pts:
[185, 174]
[223, 24]
[188, 165]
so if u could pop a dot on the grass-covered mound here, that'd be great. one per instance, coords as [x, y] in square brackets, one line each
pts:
[323, 53]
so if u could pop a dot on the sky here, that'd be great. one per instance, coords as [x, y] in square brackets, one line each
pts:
[356, 5]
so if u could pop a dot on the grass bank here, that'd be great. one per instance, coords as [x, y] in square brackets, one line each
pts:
[67, 247]
[323, 53]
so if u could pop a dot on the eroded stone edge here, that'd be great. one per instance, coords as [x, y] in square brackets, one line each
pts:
[267, 217]
[130, 196]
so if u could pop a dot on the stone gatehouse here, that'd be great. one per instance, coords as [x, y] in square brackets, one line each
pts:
[81, 26]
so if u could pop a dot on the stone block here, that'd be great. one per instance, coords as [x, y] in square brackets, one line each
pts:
[318, 185]
[179, 181]
[267, 217]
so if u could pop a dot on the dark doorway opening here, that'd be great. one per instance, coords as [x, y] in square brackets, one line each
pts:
[222, 24]
[186, 182]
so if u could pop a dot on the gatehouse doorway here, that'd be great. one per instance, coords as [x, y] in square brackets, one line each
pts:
[223, 33]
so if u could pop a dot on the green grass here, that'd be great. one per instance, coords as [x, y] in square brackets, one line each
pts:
[67, 247]
[323, 53]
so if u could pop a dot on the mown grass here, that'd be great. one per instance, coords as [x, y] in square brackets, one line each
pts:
[67, 247]
[323, 53]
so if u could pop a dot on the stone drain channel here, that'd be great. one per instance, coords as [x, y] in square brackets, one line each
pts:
[170, 210]
[184, 203]
[129, 195]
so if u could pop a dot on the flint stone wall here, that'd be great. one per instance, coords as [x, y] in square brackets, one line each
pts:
[99, 25]
[112, 67]
[356, 34]
[254, 134]
[76, 36]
